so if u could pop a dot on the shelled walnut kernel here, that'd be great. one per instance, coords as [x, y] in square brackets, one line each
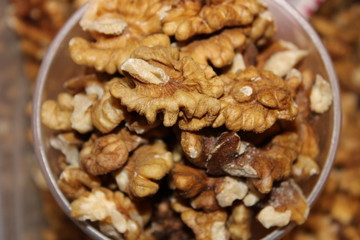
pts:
[237, 134]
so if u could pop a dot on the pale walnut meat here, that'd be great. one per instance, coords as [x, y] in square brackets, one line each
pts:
[81, 115]
[57, 114]
[188, 18]
[114, 208]
[287, 199]
[280, 57]
[321, 95]
[116, 17]
[304, 168]
[101, 155]
[219, 50]
[238, 223]
[74, 181]
[229, 190]
[182, 90]
[110, 60]
[253, 100]
[206, 226]
[147, 165]
[107, 113]
[66, 143]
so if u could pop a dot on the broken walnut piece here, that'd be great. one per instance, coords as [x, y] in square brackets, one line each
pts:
[238, 223]
[147, 165]
[207, 193]
[286, 201]
[116, 17]
[101, 155]
[81, 115]
[206, 226]
[219, 50]
[68, 144]
[110, 60]
[56, 115]
[115, 208]
[253, 100]
[107, 113]
[188, 181]
[321, 95]
[225, 153]
[304, 168]
[184, 91]
[188, 18]
[280, 57]
[74, 181]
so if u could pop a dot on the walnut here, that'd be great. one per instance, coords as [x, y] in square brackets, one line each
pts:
[305, 167]
[252, 198]
[148, 164]
[179, 88]
[57, 114]
[275, 47]
[206, 192]
[81, 115]
[239, 223]
[107, 153]
[74, 181]
[321, 96]
[206, 201]
[225, 153]
[107, 113]
[114, 208]
[189, 181]
[254, 100]
[262, 29]
[288, 203]
[116, 17]
[238, 63]
[308, 140]
[263, 166]
[280, 62]
[110, 59]
[229, 190]
[218, 49]
[270, 217]
[206, 226]
[61, 142]
[188, 18]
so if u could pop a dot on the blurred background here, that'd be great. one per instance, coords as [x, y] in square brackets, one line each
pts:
[27, 209]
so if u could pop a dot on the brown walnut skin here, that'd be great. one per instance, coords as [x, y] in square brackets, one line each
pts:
[108, 153]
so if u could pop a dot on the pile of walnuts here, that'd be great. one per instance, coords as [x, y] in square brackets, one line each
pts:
[190, 122]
